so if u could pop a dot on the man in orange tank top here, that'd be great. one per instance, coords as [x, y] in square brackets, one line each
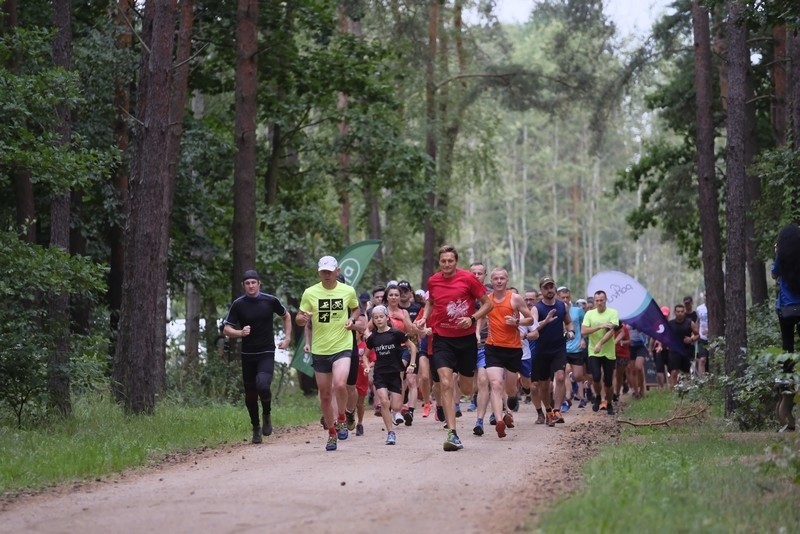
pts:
[503, 347]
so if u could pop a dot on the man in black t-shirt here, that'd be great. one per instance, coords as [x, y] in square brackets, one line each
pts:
[250, 318]
[686, 330]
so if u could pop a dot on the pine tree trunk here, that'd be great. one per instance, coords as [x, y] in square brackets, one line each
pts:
[708, 185]
[138, 363]
[735, 299]
[121, 178]
[58, 304]
[244, 179]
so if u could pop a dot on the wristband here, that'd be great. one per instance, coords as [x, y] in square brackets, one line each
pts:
[473, 319]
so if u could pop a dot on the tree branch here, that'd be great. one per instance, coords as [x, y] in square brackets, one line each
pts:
[139, 37]
[666, 422]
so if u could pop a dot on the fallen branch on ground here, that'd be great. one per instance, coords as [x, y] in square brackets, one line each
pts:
[666, 422]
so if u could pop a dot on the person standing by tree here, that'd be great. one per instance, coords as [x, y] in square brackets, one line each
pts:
[450, 308]
[250, 319]
[332, 308]
[786, 270]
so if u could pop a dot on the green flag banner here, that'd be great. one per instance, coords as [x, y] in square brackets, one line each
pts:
[353, 261]
[302, 359]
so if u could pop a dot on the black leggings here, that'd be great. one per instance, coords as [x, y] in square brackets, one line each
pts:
[257, 377]
[604, 366]
[788, 325]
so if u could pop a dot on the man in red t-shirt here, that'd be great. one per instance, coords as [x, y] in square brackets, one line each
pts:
[450, 312]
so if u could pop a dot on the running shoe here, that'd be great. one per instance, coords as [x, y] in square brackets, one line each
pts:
[408, 416]
[625, 388]
[331, 445]
[472, 407]
[582, 404]
[557, 417]
[610, 408]
[513, 403]
[616, 397]
[478, 430]
[492, 420]
[397, 418]
[266, 428]
[341, 430]
[596, 404]
[350, 418]
[540, 420]
[565, 406]
[359, 429]
[426, 409]
[551, 420]
[452, 443]
[458, 409]
[500, 428]
[378, 411]
[587, 392]
[439, 413]
[322, 422]
[257, 435]
[391, 438]
[508, 419]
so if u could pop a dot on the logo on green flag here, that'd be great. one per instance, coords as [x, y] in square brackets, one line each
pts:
[353, 261]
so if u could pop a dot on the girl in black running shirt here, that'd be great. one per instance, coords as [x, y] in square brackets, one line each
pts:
[389, 366]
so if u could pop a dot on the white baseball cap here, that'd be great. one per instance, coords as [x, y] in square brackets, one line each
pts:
[327, 263]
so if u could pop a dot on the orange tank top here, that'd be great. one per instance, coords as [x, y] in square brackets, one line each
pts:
[500, 333]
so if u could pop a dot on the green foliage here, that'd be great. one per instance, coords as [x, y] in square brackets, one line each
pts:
[778, 206]
[31, 274]
[695, 473]
[755, 393]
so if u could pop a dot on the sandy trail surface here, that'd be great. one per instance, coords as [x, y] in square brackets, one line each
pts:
[291, 484]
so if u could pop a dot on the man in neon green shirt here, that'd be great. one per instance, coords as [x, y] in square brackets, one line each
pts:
[332, 309]
[599, 324]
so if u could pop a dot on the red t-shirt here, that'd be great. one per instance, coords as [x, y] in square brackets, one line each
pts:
[624, 351]
[453, 298]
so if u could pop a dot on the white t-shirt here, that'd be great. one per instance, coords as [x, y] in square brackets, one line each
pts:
[526, 346]
[702, 321]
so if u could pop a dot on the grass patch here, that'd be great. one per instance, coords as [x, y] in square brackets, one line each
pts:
[99, 439]
[692, 476]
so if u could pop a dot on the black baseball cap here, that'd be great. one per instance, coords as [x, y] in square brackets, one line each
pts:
[404, 284]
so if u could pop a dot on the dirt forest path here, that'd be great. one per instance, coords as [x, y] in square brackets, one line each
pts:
[291, 484]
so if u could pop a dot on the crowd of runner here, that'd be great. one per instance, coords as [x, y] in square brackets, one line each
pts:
[468, 341]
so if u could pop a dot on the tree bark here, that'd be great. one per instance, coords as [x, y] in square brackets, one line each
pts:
[244, 179]
[779, 114]
[137, 372]
[735, 299]
[120, 181]
[707, 183]
[793, 39]
[58, 304]
[755, 266]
